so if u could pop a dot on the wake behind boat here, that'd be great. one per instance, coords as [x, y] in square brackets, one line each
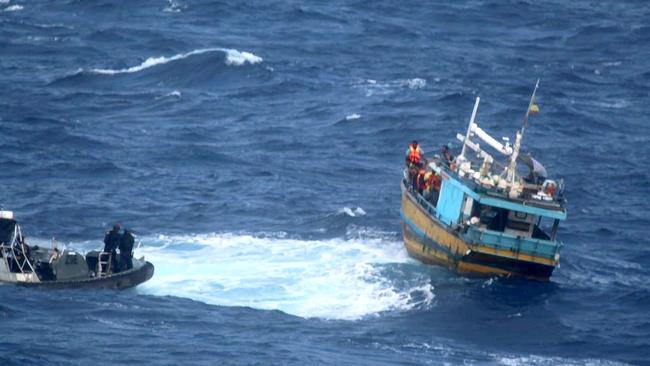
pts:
[34, 266]
[478, 215]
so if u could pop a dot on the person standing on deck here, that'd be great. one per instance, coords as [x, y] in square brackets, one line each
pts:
[111, 242]
[447, 155]
[126, 251]
[419, 181]
[432, 190]
[413, 163]
[414, 154]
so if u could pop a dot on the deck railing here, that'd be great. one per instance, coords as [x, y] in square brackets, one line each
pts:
[502, 241]
[421, 200]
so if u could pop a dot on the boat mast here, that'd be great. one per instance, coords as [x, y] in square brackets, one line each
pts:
[512, 168]
[469, 129]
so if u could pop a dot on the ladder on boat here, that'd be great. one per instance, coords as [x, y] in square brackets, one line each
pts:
[103, 264]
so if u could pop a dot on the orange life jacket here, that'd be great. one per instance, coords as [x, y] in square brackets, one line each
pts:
[550, 189]
[414, 154]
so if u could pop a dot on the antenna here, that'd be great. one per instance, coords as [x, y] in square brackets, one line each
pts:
[518, 137]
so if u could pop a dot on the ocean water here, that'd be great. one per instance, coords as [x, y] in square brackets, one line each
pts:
[256, 148]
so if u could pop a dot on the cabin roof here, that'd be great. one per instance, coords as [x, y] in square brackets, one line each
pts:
[527, 206]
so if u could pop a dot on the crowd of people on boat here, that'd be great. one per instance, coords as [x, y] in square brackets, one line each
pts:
[422, 178]
[114, 240]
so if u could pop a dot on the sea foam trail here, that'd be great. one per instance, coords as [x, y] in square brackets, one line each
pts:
[233, 57]
[334, 279]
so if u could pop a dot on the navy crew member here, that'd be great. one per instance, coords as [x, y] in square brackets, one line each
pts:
[126, 250]
[111, 242]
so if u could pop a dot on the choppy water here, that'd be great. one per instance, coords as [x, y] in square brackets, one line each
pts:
[256, 149]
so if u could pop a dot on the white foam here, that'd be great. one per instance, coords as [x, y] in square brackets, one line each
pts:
[4, 2]
[543, 361]
[233, 57]
[358, 211]
[14, 8]
[173, 7]
[416, 83]
[374, 87]
[175, 94]
[613, 63]
[352, 117]
[335, 279]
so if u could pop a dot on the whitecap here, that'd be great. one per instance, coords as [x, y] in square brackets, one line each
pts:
[374, 87]
[542, 360]
[358, 211]
[175, 94]
[612, 63]
[352, 116]
[416, 83]
[4, 2]
[233, 57]
[14, 8]
[173, 7]
[614, 104]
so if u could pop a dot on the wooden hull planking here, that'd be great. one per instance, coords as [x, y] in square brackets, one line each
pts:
[432, 242]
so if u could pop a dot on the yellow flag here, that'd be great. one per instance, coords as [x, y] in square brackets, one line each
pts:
[534, 108]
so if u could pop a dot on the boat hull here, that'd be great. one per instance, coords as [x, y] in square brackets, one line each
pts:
[432, 242]
[119, 281]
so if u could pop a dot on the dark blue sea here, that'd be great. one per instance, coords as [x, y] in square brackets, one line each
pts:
[256, 149]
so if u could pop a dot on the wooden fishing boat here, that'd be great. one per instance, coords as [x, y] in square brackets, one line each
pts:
[487, 218]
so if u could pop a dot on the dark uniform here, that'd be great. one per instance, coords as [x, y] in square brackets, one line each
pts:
[111, 242]
[126, 251]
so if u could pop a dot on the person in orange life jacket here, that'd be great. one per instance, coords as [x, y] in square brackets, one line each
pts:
[420, 183]
[413, 163]
[414, 154]
[432, 186]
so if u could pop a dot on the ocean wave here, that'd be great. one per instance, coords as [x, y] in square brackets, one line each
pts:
[233, 57]
[542, 361]
[374, 87]
[14, 8]
[174, 94]
[333, 279]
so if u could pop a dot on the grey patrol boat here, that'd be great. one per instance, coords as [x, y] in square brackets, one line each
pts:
[34, 266]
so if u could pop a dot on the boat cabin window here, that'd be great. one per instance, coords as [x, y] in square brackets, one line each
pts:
[491, 218]
[520, 223]
[513, 223]
[544, 228]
